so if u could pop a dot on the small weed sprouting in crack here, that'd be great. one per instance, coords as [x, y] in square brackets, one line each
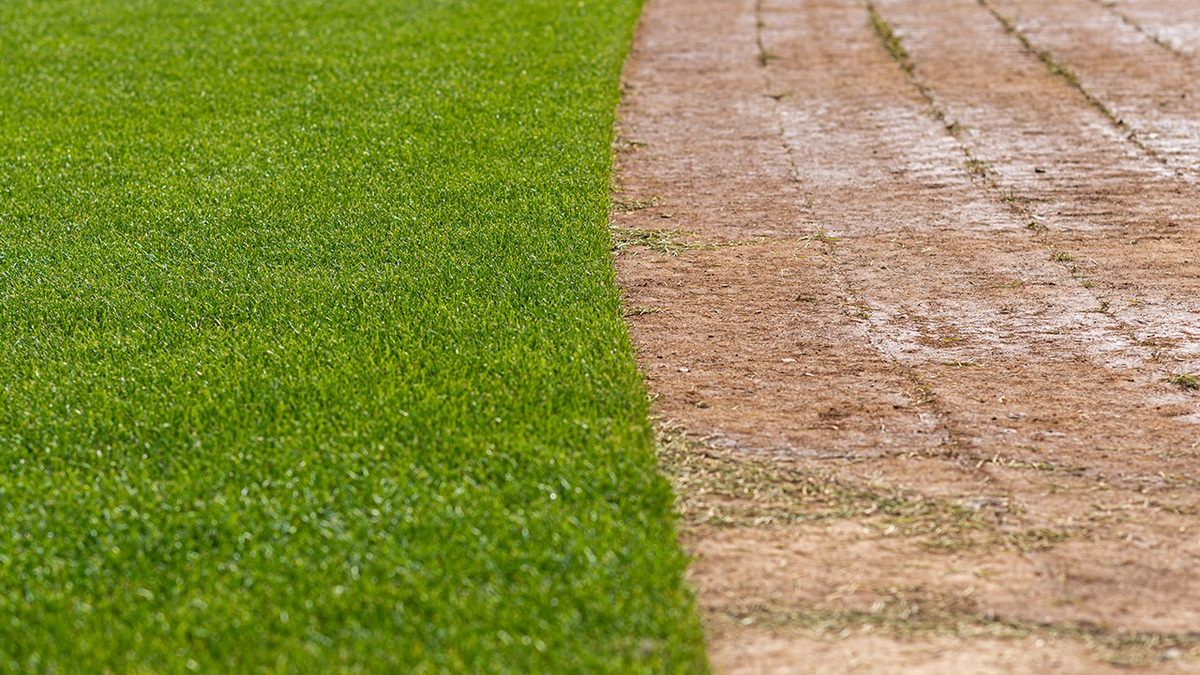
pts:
[1062, 256]
[979, 167]
[891, 42]
[765, 57]
[1076, 273]
[958, 130]
[1011, 198]
[821, 236]
[1185, 380]
[1060, 69]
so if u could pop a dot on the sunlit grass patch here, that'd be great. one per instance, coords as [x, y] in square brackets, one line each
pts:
[312, 357]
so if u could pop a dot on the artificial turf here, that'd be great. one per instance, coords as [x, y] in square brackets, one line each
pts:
[311, 355]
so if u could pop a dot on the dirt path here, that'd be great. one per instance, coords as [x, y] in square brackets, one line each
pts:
[910, 280]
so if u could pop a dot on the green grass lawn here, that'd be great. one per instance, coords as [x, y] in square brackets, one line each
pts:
[311, 355]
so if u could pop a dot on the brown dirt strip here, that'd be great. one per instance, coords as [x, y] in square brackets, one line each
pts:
[909, 318]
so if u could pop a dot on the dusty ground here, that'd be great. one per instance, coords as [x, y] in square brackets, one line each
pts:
[915, 283]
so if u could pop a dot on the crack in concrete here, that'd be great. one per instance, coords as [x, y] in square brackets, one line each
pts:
[979, 168]
[948, 441]
[1068, 76]
[1156, 39]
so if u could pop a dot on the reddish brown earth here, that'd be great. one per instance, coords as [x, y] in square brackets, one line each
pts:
[912, 317]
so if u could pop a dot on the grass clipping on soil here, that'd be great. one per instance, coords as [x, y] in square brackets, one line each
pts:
[722, 488]
[313, 358]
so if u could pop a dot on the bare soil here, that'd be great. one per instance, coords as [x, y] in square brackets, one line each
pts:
[915, 285]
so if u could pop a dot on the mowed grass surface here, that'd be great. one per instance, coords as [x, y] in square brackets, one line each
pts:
[311, 356]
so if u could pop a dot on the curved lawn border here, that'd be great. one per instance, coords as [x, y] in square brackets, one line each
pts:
[312, 354]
